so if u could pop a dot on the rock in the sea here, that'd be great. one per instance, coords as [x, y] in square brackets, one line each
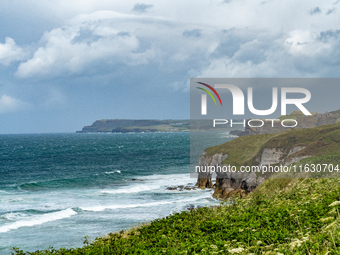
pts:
[236, 132]
[181, 187]
[171, 188]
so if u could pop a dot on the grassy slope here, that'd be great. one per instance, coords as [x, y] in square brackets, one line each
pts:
[282, 216]
[244, 150]
[161, 128]
[294, 115]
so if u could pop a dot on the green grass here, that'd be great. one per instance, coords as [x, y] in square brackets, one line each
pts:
[282, 216]
[245, 150]
[160, 128]
[295, 114]
[332, 158]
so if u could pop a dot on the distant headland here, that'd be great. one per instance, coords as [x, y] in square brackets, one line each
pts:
[136, 126]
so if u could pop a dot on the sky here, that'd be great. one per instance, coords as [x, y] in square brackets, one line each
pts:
[66, 63]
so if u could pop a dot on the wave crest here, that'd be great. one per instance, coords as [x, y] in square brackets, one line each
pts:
[38, 220]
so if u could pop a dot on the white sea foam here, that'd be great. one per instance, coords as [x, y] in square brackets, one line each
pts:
[112, 172]
[170, 178]
[124, 206]
[131, 189]
[38, 220]
[154, 182]
[12, 216]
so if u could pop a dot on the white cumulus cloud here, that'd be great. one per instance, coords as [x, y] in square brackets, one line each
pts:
[265, 39]
[10, 52]
[92, 40]
[11, 104]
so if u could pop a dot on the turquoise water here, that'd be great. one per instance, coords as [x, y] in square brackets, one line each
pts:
[57, 188]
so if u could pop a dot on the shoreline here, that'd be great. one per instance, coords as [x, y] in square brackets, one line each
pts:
[277, 218]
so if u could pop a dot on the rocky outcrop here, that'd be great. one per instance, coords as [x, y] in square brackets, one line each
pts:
[205, 162]
[226, 182]
[236, 132]
[272, 156]
[245, 162]
[229, 183]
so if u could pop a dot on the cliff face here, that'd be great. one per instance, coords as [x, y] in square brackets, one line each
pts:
[228, 183]
[273, 149]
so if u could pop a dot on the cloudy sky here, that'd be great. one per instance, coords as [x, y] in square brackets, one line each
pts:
[67, 63]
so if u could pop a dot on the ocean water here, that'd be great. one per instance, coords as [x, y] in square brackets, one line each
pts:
[57, 188]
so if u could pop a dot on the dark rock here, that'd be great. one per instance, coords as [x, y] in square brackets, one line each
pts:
[171, 188]
[205, 174]
[181, 188]
[236, 132]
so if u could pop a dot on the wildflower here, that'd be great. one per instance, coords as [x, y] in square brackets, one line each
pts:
[258, 242]
[332, 212]
[331, 225]
[335, 203]
[213, 246]
[327, 219]
[296, 243]
[236, 250]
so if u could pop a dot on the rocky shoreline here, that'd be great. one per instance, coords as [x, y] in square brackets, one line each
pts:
[278, 150]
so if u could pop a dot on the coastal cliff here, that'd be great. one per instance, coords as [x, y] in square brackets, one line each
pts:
[315, 120]
[135, 126]
[282, 148]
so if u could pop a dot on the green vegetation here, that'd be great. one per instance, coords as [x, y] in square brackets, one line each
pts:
[127, 125]
[282, 216]
[322, 140]
[155, 128]
[295, 114]
[333, 158]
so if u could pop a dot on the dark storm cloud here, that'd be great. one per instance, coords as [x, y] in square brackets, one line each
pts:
[192, 33]
[140, 7]
[314, 11]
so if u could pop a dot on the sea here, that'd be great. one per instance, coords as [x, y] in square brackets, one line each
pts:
[55, 189]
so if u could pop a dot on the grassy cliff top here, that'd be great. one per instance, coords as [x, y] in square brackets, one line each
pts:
[244, 150]
[296, 114]
[282, 216]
